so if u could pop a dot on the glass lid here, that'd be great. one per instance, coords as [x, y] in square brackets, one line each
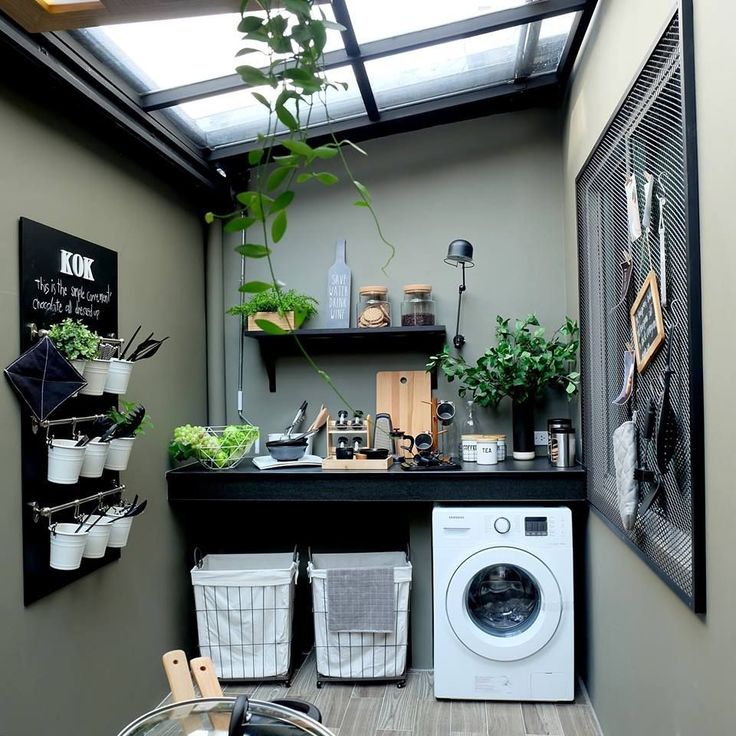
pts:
[215, 716]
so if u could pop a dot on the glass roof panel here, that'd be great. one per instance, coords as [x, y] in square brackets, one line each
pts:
[377, 19]
[237, 117]
[553, 36]
[170, 53]
[445, 69]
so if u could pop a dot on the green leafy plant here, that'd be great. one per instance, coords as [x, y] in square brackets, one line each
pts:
[74, 339]
[303, 306]
[122, 414]
[214, 448]
[288, 80]
[523, 363]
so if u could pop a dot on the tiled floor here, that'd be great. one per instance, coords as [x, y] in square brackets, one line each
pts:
[385, 710]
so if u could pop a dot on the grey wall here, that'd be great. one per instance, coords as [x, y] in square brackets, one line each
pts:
[655, 668]
[85, 660]
[493, 181]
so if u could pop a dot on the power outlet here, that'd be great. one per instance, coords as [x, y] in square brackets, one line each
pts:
[541, 438]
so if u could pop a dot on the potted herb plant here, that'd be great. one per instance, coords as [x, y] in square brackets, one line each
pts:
[521, 366]
[75, 341]
[122, 445]
[288, 310]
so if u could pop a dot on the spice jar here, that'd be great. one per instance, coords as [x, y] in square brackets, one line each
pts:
[373, 307]
[417, 309]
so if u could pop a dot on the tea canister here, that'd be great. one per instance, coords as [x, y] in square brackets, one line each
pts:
[487, 450]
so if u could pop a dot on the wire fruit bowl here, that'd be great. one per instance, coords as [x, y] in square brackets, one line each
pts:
[223, 448]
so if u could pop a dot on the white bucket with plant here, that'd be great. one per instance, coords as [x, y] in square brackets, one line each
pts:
[95, 456]
[65, 460]
[95, 373]
[217, 448]
[129, 421]
[99, 528]
[67, 546]
[118, 376]
[76, 342]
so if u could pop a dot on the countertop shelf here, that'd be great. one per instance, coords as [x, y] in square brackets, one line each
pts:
[351, 340]
[510, 481]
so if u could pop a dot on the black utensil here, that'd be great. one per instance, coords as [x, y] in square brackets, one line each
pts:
[141, 346]
[130, 342]
[82, 441]
[150, 351]
[298, 418]
[665, 437]
[125, 429]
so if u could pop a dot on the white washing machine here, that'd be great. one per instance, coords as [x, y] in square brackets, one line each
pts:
[503, 603]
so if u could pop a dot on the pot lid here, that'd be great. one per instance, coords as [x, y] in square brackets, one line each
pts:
[227, 717]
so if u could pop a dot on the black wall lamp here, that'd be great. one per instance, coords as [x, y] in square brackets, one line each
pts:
[460, 253]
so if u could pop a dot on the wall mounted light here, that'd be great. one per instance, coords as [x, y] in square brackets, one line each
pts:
[460, 253]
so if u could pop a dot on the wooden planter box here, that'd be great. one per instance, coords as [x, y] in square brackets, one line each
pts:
[286, 322]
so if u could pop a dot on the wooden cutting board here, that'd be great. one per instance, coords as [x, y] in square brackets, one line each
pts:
[407, 397]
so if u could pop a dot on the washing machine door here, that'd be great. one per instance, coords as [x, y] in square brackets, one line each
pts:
[503, 603]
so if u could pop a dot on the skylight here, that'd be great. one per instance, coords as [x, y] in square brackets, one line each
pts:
[409, 54]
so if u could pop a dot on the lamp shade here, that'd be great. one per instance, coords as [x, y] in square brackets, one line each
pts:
[460, 251]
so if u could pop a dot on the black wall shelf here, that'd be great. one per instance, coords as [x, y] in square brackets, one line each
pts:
[351, 341]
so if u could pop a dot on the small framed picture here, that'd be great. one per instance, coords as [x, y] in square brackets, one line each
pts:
[647, 325]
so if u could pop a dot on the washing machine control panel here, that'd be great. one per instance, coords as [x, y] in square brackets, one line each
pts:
[502, 525]
[535, 526]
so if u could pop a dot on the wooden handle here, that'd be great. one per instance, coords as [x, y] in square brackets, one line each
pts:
[205, 677]
[177, 673]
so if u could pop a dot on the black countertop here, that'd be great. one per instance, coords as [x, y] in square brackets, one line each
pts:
[509, 481]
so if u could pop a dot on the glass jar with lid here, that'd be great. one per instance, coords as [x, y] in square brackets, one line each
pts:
[417, 308]
[374, 309]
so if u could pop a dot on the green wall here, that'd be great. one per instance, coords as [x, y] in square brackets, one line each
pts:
[654, 667]
[85, 660]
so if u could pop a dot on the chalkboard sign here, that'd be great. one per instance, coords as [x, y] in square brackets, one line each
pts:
[64, 276]
[60, 276]
[646, 322]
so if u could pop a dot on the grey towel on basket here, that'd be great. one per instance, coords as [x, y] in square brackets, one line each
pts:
[361, 599]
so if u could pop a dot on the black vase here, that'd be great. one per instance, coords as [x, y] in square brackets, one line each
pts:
[522, 416]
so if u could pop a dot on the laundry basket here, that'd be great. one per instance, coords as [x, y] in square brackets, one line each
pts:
[359, 653]
[245, 606]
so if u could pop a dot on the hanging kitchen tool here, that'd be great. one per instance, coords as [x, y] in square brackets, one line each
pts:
[662, 246]
[643, 473]
[126, 428]
[627, 385]
[130, 342]
[632, 208]
[627, 269]
[625, 460]
[647, 218]
[149, 351]
[665, 434]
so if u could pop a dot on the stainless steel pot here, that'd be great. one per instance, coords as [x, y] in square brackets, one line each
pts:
[227, 716]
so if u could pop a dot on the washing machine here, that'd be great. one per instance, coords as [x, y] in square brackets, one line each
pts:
[503, 603]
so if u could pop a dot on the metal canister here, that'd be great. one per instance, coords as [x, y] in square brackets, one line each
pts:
[554, 425]
[501, 442]
[562, 447]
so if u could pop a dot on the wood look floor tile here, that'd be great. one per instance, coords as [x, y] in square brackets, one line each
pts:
[394, 733]
[399, 708]
[505, 719]
[332, 701]
[361, 717]
[433, 718]
[421, 684]
[371, 689]
[468, 718]
[578, 720]
[541, 719]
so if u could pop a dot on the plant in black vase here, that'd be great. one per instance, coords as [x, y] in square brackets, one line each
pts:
[521, 366]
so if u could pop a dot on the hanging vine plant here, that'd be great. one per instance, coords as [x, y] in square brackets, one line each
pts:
[288, 85]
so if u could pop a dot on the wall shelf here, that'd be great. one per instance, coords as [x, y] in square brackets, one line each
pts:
[352, 340]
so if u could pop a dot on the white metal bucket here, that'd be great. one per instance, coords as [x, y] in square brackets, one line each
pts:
[119, 453]
[119, 531]
[95, 455]
[80, 365]
[67, 546]
[65, 461]
[98, 537]
[95, 373]
[118, 376]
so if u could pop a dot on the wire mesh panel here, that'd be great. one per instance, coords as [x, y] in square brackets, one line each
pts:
[650, 132]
